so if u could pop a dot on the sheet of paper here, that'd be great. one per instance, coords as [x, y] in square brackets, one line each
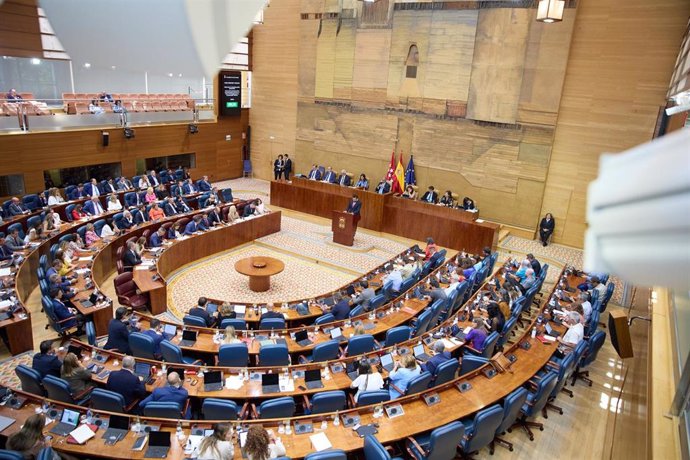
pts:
[5, 303]
[233, 382]
[141, 267]
[287, 385]
[5, 272]
[320, 442]
[86, 259]
[451, 343]
[82, 434]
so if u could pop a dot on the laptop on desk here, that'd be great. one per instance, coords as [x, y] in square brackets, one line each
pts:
[169, 331]
[68, 422]
[337, 334]
[142, 370]
[118, 427]
[302, 338]
[240, 311]
[270, 383]
[551, 331]
[90, 302]
[188, 338]
[312, 379]
[387, 362]
[420, 353]
[159, 444]
[213, 381]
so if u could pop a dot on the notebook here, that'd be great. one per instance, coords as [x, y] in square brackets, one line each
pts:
[5, 422]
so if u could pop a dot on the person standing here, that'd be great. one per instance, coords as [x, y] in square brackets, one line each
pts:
[288, 167]
[278, 167]
[355, 208]
[546, 227]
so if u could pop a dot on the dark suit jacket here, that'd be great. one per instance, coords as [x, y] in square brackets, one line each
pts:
[188, 188]
[434, 362]
[118, 336]
[329, 176]
[169, 209]
[139, 217]
[5, 252]
[288, 166]
[88, 189]
[315, 174]
[131, 258]
[90, 208]
[47, 364]
[271, 314]
[548, 226]
[190, 228]
[205, 186]
[62, 312]
[202, 313]
[536, 266]
[182, 206]
[214, 218]
[155, 240]
[157, 339]
[341, 310]
[16, 209]
[168, 394]
[344, 180]
[354, 208]
[433, 195]
[383, 188]
[127, 384]
[248, 211]
[125, 224]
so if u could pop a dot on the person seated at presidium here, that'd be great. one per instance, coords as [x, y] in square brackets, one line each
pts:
[315, 173]
[468, 204]
[329, 176]
[410, 193]
[363, 182]
[431, 196]
[13, 96]
[95, 108]
[447, 199]
[383, 187]
[344, 179]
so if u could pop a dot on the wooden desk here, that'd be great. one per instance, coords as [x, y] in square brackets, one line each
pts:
[19, 332]
[449, 227]
[259, 270]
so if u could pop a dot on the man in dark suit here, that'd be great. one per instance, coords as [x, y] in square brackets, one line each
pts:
[431, 196]
[124, 184]
[192, 226]
[110, 186]
[344, 180]
[536, 266]
[130, 257]
[118, 332]
[182, 205]
[440, 356]
[329, 176]
[156, 239]
[76, 194]
[66, 315]
[16, 208]
[139, 215]
[315, 173]
[200, 311]
[91, 189]
[126, 383]
[13, 242]
[126, 222]
[215, 216]
[383, 187]
[45, 362]
[178, 189]
[188, 187]
[249, 209]
[271, 314]
[341, 309]
[5, 251]
[155, 332]
[169, 208]
[287, 169]
[204, 222]
[354, 207]
[93, 207]
[204, 184]
[172, 392]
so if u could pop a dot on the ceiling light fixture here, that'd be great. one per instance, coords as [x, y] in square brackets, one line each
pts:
[550, 11]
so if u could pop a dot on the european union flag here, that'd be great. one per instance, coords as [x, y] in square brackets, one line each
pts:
[410, 178]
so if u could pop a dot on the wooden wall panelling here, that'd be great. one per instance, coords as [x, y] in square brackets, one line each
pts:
[36, 152]
[370, 78]
[546, 58]
[325, 59]
[309, 29]
[498, 63]
[275, 83]
[344, 60]
[20, 34]
[620, 63]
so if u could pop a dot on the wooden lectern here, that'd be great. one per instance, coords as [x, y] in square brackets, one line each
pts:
[343, 227]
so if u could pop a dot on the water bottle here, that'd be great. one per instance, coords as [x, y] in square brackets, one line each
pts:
[178, 431]
[534, 332]
[89, 416]
[336, 419]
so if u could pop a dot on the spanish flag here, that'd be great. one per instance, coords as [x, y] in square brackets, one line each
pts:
[399, 178]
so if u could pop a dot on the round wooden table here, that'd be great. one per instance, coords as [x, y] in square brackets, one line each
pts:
[259, 270]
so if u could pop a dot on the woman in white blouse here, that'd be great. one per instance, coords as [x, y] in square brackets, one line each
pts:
[218, 445]
[367, 380]
[262, 445]
[54, 197]
[113, 203]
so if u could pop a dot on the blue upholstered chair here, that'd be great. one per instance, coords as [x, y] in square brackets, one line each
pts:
[31, 202]
[397, 335]
[173, 354]
[160, 409]
[563, 371]
[233, 355]
[90, 333]
[535, 403]
[226, 195]
[274, 355]
[325, 351]
[445, 372]
[276, 408]
[367, 398]
[271, 323]
[219, 409]
[471, 363]
[377, 301]
[416, 385]
[238, 324]
[421, 325]
[142, 345]
[511, 410]
[59, 390]
[190, 320]
[10, 455]
[98, 226]
[360, 344]
[507, 330]
[374, 450]
[326, 401]
[480, 431]
[330, 454]
[440, 444]
[110, 401]
[324, 319]
[594, 344]
[30, 380]
[34, 222]
[16, 226]
[46, 453]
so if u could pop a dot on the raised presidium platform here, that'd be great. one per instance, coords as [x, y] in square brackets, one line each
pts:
[452, 228]
[259, 270]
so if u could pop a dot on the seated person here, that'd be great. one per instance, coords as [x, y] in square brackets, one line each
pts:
[440, 356]
[55, 281]
[225, 311]
[215, 216]
[200, 310]
[14, 96]
[363, 182]
[139, 214]
[45, 362]
[156, 239]
[150, 196]
[13, 241]
[204, 184]
[66, 315]
[394, 277]
[534, 263]
[410, 193]
[383, 187]
[77, 376]
[169, 206]
[118, 107]
[155, 332]
[126, 383]
[431, 196]
[523, 285]
[230, 336]
[329, 176]
[404, 370]
[477, 336]
[270, 313]
[364, 297]
[174, 231]
[193, 226]
[429, 250]
[597, 285]
[16, 208]
[172, 392]
[182, 205]
[95, 108]
[368, 379]
[127, 221]
[156, 213]
[5, 251]
[575, 334]
[188, 188]
[262, 444]
[118, 331]
[315, 173]
[78, 213]
[344, 180]
[113, 203]
[468, 204]
[447, 199]
[341, 309]
[249, 209]
[90, 236]
[496, 318]
[93, 207]
[218, 445]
